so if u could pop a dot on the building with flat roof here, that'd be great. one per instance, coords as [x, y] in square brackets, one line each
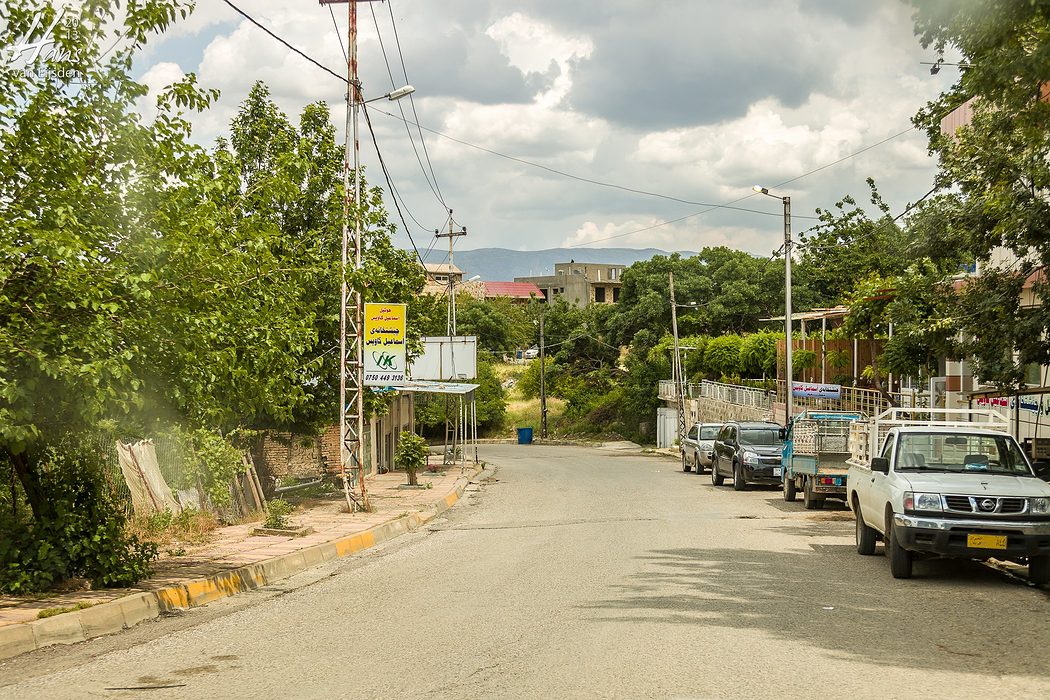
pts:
[580, 283]
[438, 277]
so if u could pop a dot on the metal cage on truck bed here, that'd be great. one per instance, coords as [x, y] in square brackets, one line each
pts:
[818, 433]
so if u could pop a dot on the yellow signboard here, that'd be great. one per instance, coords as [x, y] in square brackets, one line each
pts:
[385, 350]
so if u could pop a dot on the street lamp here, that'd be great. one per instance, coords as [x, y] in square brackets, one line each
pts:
[789, 370]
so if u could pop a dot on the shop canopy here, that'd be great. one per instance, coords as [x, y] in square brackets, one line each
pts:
[423, 387]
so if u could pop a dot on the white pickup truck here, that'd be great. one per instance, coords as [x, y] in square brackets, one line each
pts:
[924, 481]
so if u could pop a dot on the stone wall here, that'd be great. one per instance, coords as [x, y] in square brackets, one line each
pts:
[712, 411]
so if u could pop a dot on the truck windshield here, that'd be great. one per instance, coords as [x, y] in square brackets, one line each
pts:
[760, 436]
[946, 452]
[709, 433]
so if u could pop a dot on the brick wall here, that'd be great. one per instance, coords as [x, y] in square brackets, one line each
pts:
[285, 454]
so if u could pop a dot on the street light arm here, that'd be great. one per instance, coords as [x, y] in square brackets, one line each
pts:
[393, 95]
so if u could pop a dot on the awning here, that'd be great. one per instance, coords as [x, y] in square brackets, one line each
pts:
[422, 387]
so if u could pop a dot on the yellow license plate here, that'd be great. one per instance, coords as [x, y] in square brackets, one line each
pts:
[986, 541]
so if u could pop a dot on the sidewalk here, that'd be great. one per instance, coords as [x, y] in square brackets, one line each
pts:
[233, 562]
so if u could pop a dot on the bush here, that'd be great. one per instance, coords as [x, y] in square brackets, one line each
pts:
[84, 533]
[277, 512]
[722, 356]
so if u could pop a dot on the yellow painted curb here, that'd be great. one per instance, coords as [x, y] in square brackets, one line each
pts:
[27, 636]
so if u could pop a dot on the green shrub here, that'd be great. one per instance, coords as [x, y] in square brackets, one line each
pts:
[277, 512]
[82, 533]
[722, 356]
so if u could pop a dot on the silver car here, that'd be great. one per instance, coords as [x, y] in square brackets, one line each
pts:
[699, 446]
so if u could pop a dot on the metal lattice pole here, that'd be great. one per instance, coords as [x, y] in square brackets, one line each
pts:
[676, 370]
[351, 359]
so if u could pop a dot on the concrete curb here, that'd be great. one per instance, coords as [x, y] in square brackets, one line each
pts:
[126, 612]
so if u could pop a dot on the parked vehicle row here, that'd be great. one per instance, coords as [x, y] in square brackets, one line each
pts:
[926, 482]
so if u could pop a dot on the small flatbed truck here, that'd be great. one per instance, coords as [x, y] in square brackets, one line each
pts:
[815, 456]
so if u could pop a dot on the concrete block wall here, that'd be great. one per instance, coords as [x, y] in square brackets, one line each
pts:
[712, 411]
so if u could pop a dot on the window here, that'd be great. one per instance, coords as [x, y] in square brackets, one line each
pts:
[946, 452]
[616, 294]
[599, 295]
[695, 431]
[887, 449]
[760, 436]
[709, 432]
[612, 274]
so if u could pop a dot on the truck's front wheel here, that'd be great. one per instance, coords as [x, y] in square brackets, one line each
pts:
[865, 534]
[789, 489]
[1039, 570]
[900, 558]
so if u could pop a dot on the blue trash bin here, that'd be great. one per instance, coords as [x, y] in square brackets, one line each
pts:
[524, 436]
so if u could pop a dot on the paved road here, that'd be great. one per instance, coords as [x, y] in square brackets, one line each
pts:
[589, 573]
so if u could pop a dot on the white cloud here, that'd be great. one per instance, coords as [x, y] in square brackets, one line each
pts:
[157, 78]
[505, 78]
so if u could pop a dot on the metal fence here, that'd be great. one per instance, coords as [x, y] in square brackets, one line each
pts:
[717, 391]
[853, 399]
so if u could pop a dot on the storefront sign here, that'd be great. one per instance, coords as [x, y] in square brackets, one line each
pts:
[385, 351]
[816, 391]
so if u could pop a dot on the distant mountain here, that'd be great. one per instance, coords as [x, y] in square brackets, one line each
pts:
[503, 265]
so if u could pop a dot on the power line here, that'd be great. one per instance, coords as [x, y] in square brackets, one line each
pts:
[291, 48]
[386, 175]
[750, 195]
[591, 181]
[709, 207]
[408, 129]
[412, 102]
[338, 34]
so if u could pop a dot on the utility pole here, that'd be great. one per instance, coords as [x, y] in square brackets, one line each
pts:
[452, 235]
[351, 346]
[790, 369]
[676, 371]
[543, 381]
[451, 426]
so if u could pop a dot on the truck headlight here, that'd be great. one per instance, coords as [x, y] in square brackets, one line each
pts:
[922, 501]
[750, 458]
[1039, 506]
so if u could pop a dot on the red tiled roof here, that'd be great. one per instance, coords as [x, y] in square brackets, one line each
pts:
[514, 290]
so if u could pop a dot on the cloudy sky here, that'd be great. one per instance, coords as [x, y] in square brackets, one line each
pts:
[692, 99]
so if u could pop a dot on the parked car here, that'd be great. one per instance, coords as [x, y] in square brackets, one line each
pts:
[699, 446]
[748, 453]
[532, 353]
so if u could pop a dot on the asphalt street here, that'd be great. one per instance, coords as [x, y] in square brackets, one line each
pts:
[579, 572]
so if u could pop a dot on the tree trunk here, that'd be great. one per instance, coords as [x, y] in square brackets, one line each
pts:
[412, 480]
[876, 376]
[29, 477]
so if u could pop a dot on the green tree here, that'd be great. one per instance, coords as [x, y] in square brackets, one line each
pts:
[847, 245]
[993, 173]
[85, 181]
[732, 291]
[758, 354]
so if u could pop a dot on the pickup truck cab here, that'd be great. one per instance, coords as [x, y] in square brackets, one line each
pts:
[947, 488]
